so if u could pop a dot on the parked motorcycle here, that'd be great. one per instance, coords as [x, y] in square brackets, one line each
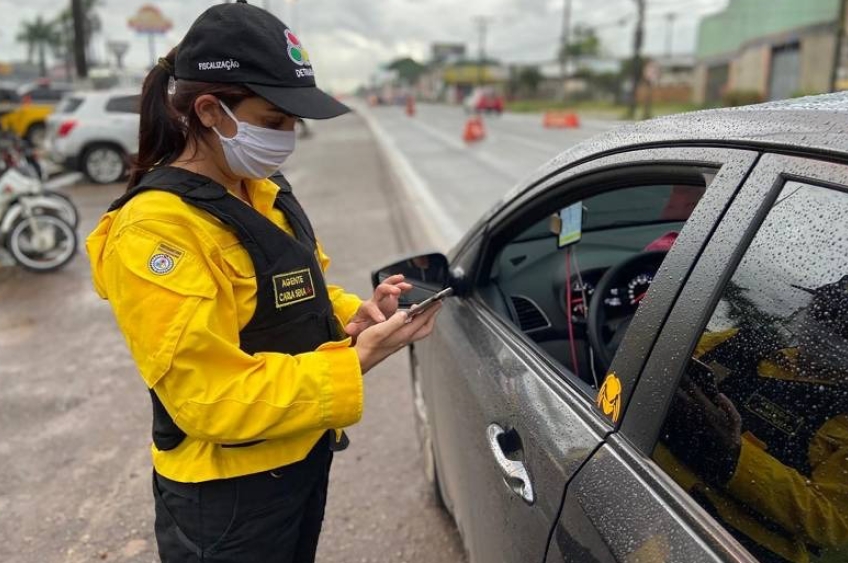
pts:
[37, 226]
[21, 174]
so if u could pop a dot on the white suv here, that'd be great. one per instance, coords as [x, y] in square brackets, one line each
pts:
[95, 133]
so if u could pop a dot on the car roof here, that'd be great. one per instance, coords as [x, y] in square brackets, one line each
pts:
[817, 124]
[106, 93]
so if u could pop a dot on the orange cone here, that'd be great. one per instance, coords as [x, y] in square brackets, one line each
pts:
[410, 106]
[560, 120]
[474, 130]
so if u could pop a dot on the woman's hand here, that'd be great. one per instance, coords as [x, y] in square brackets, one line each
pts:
[383, 304]
[705, 434]
[380, 341]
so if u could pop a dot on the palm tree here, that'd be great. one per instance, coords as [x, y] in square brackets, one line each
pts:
[92, 24]
[39, 35]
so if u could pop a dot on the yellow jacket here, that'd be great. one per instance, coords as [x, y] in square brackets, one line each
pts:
[801, 510]
[182, 329]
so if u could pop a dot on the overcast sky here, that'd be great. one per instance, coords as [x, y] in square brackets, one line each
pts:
[348, 40]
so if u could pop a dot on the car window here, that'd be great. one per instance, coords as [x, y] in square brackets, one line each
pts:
[44, 94]
[547, 274]
[69, 104]
[9, 96]
[123, 104]
[757, 432]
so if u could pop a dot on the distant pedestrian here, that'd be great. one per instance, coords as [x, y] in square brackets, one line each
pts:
[254, 364]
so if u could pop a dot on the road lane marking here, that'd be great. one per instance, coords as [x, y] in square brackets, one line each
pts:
[550, 149]
[488, 159]
[442, 231]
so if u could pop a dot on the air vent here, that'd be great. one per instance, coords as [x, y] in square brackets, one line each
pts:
[530, 317]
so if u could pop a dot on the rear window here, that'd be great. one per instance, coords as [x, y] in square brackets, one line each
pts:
[69, 104]
[9, 96]
[45, 94]
[123, 104]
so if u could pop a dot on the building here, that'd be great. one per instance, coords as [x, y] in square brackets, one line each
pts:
[767, 49]
[668, 79]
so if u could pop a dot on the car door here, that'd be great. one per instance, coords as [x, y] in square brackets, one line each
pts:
[511, 427]
[654, 491]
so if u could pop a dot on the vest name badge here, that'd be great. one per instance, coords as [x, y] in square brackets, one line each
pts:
[293, 287]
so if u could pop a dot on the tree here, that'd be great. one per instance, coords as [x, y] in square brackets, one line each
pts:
[584, 43]
[39, 35]
[529, 79]
[408, 69]
[92, 24]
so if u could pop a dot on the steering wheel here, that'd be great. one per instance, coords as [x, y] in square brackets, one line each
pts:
[597, 316]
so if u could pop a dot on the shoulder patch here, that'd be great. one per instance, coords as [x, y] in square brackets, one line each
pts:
[164, 259]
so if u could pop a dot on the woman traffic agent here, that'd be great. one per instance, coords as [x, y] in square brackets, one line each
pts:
[253, 362]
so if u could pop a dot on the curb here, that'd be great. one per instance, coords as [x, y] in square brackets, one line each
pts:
[418, 204]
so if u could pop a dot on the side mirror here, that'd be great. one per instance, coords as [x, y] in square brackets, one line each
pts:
[428, 273]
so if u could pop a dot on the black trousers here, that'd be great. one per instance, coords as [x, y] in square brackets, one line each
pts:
[269, 517]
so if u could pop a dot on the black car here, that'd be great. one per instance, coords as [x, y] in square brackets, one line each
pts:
[646, 357]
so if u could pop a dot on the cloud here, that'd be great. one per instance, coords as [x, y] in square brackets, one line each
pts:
[349, 39]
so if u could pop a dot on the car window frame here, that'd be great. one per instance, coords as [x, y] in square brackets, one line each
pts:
[692, 311]
[118, 100]
[732, 167]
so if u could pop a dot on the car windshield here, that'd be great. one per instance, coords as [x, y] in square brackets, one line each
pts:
[630, 207]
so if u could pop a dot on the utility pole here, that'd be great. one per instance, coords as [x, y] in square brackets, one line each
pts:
[636, 76]
[669, 37]
[79, 38]
[839, 73]
[565, 39]
[482, 23]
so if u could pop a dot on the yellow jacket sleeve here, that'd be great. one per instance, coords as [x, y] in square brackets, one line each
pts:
[345, 305]
[182, 330]
[814, 508]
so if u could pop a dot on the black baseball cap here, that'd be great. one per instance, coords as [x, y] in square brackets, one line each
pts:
[244, 44]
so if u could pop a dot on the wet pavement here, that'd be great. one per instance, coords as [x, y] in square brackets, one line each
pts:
[76, 416]
[456, 182]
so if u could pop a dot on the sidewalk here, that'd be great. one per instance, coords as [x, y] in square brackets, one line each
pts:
[76, 416]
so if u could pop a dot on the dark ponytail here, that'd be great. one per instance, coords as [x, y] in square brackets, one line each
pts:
[161, 136]
[168, 122]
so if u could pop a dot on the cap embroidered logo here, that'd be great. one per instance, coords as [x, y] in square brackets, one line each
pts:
[216, 65]
[297, 53]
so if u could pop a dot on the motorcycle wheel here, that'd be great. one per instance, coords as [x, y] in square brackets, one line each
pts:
[59, 238]
[65, 208]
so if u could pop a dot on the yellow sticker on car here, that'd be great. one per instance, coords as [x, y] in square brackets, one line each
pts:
[609, 397]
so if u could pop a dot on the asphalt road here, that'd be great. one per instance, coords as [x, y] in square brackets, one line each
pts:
[456, 182]
[76, 417]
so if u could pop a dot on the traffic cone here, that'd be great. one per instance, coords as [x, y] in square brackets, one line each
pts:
[410, 106]
[560, 120]
[474, 130]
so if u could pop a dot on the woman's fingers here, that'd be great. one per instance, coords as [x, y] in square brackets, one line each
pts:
[394, 279]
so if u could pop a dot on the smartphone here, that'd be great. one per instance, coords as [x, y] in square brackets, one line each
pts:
[429, 302]
[704, 378]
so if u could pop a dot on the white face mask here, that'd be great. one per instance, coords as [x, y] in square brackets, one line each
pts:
[255, 152]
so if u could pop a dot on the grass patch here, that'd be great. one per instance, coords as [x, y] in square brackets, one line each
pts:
[596, 108]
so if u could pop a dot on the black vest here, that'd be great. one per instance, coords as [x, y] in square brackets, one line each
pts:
[293, 313]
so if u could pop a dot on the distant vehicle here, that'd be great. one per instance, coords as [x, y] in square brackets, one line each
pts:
[484, 100]
[95, 133]
[646, 357]
[24, 109]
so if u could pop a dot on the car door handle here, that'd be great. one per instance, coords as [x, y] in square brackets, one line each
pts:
[515, 474]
